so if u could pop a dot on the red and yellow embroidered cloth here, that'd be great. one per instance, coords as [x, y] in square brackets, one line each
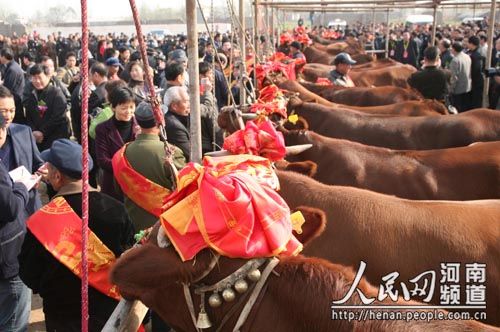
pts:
[144, 192]
[59, 230]
[230, 205]
[260, 139]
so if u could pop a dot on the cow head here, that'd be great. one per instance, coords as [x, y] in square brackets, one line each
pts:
[155, 275]
[437, 106]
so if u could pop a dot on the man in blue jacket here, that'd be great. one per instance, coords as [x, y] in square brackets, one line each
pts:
[15, 297]
[19, 148]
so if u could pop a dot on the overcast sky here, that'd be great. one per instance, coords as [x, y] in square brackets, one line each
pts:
[98, 9]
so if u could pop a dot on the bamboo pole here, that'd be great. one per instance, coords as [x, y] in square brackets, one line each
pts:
[491, 30]
[434, 25]
[194, 79]
[387, 35]
[127, 316]
[243, 50]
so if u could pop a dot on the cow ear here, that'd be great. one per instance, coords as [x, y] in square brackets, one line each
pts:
[307, 168]
[300, 124]
[314, 225]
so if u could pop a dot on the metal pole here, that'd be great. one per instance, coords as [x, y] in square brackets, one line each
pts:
[373, 28]
[387, 35]
[434, 25]
[256, 27]
[272, 31]
[491, 29]
[268, 28]
[194, 81]
[256, 41]
[243, 51]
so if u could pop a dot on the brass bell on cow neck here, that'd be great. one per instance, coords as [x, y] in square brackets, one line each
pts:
[241, 286]
[203, 321]
[254, 275]
[228, 295]
[214, 300]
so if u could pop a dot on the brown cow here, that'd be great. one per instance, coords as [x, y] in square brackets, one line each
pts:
[401, 132]
[314, 55]
[377, 96]
[393, 234]
[393, 75]
[465, 173]
[408, 108]
[296, 297]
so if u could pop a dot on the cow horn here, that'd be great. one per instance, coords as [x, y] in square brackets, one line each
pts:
[290, 150]
[296, 149]
[249, 116]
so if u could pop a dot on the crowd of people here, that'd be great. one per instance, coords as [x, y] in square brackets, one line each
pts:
[41, 105]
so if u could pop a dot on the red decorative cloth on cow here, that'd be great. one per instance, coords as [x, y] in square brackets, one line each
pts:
[271, 100]
[262, 70]
[260, 139]
[323, 81]
[303, 39]
[59, 230]
[141, 190]
[229, 204]
[285, 37]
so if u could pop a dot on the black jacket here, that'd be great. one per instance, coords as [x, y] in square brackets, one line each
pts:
[210, 131]
[13, 201]
[53, 123]
[221, 89]
[56, 284]
[14, 78]
[476, 71]
[431, 82]
[177, 129]
[446, 58]
[412, 50]
[14, 81]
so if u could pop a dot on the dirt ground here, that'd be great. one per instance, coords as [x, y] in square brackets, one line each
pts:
[37, 319]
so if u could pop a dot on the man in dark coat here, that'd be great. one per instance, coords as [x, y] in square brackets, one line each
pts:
[14, 81]
[476, 74]
[407, 50]
[47, 275]
[46, 109]
[177, 118]
[19, 148]
[432, 82]
[15, 297]
[446, 57]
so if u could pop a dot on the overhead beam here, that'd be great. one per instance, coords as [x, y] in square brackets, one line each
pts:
[353, 2]
[383, 8]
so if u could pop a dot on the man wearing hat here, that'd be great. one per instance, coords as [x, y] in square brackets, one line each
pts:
[50, 255]
[114, 68]
[142, 172]
[295, 51]
[145, 177]
[179, 56]
[339, 76]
